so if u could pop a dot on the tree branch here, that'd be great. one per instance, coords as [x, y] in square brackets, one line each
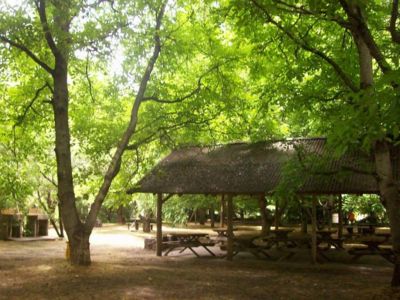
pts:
[340, 169]
[88, 80]
[321, 15]
[21, 118]
[115, 163]
[345, 78]
[360, 27]
[51, 180]
[41, 8]
[153, 136]
[393, 19]
[187, 96]
[28, 52]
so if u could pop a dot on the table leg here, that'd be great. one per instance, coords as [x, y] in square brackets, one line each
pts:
[194, 252]
[208, 250]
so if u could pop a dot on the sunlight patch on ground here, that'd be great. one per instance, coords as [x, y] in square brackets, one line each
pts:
[44, 268]
[142, 292]
[117, 240]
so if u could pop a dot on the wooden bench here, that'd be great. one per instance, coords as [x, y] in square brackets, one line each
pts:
[373, 247]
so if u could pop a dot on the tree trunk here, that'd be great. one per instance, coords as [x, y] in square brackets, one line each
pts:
[79, 244]
[390, 196]
[201, 212]
[388, 188]
[120, 215]
[146, 221]
[266, 218]
[80, 248]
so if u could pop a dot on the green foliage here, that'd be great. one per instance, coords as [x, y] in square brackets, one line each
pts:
[177, 209]
[365, 204]
[237, 75]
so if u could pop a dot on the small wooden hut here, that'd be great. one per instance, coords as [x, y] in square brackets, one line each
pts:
[10, 223]
[37, 223]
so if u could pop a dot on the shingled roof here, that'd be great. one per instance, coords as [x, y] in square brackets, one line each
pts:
[305, 165]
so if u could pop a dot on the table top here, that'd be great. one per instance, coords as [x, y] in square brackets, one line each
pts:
[282, 230]
[384, 234]
[327, 231]
[223, 229]
[187, 234]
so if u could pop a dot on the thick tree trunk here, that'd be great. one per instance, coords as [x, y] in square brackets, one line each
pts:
[80, 248]
[120, 215]
[390, 196]
[66, 195]
[387, 185]
[146, 221]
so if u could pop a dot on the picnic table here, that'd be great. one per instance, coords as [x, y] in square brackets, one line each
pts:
[246, 244]
[275, 238]
[373, 245]
[279, 236]
[366, 228]
[223, 232]
[183, 241]
[325, 237]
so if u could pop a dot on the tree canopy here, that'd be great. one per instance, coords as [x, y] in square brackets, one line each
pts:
[94, 92]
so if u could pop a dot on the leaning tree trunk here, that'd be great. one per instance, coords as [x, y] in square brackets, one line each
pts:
[390, 196]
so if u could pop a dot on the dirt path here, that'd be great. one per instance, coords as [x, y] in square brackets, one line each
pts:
[121, 270]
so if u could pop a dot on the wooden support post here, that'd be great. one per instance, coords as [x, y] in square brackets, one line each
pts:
[222, 212]
[212, 216]
[340, 218]
[276, 214]
[159, 223]
[265, 221]
[314, 230]
[229, 255]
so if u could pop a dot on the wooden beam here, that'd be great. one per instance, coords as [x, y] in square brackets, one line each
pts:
[276, 214]
[340, 217]
[265, 224]
[212, 216]
[314, 230]
[222, 211]
[229, 255]
[159, 223]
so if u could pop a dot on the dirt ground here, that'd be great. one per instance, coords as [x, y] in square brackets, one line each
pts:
[121, 269]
